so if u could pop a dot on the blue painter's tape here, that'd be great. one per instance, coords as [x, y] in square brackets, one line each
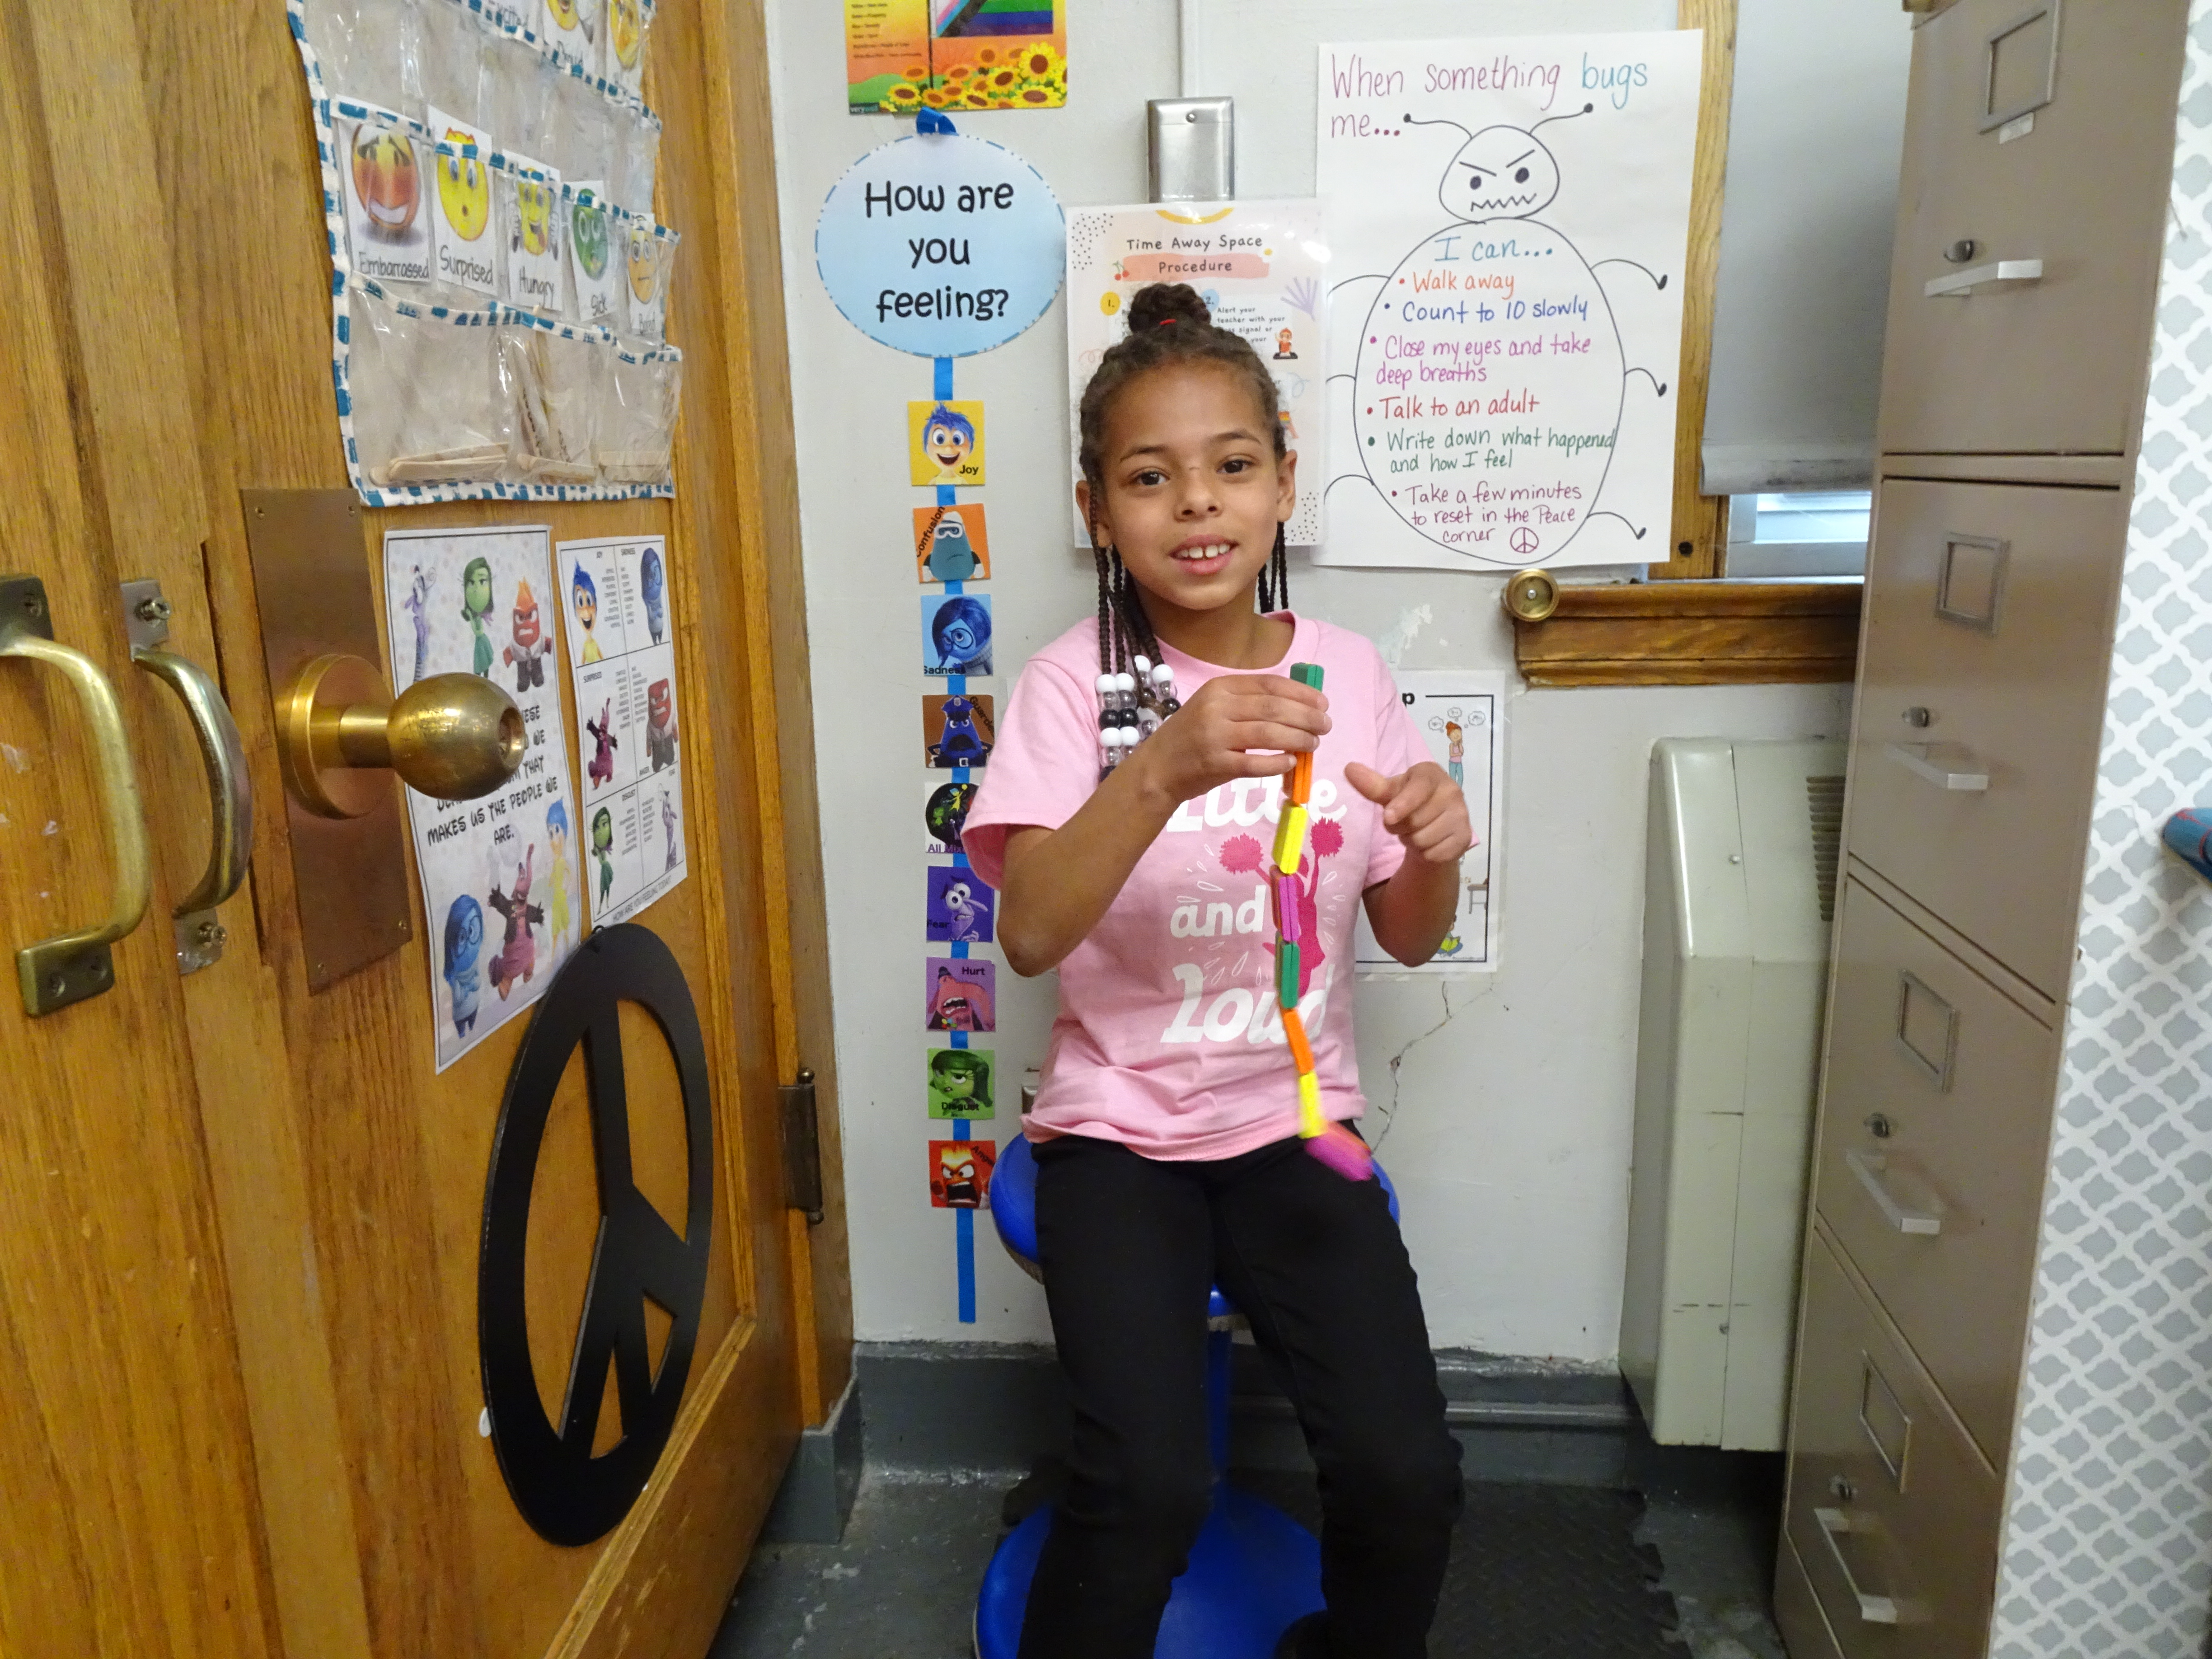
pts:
[956, 587]
[963, 1250]
[960, 1039]
[960, 861]
[944, 378]
[960, 947]
[956, 685]
[946, 496]
[960, 774]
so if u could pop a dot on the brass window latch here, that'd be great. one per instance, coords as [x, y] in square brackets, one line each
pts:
[802, 1149]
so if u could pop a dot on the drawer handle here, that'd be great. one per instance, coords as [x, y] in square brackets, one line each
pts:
[1961, 284]
[1920, 759]
[1872, 1609]
[1924, 1220]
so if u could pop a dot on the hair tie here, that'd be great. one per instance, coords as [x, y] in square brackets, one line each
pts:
[1164, 321]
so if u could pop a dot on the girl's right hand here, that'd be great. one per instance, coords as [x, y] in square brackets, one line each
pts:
[1213, 738]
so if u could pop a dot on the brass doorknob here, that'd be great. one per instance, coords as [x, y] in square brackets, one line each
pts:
[453, 736]
[1532, 595]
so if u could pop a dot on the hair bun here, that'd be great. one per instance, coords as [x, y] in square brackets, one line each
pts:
[1167, 302]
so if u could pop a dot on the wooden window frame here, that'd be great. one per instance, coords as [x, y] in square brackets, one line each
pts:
[1683, 626]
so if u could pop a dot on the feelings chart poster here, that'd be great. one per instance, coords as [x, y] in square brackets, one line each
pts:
[618, 615]
[1509, 219]
[500, 893]
[1461, 715]
[1262, 269]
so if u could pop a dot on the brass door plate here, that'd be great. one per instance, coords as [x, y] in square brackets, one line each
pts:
[311, 581]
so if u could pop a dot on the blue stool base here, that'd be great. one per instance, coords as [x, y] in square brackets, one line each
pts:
[1253, 1571]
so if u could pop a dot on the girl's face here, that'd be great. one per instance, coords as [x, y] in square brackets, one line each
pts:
[1192, 489]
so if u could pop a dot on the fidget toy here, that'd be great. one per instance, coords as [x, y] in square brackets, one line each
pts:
[1332, 1143]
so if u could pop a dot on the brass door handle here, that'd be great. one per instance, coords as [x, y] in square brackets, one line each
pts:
[452, 736]
[70, 966]
[199, 935]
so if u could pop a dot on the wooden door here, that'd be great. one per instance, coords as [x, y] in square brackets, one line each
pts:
[238, 1274]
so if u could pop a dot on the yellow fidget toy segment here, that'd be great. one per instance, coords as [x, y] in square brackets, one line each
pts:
[1291, 839]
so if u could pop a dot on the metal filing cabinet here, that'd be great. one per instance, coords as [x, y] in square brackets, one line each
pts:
[2038, 157]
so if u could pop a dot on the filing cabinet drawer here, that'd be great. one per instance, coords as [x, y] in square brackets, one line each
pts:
[2002, 364]
[1939, 1213]
[1891, 1513]
[1989, 625]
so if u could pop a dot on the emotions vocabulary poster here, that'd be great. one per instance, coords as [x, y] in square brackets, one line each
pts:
[618, 615]
[944, 443]
[500, 893]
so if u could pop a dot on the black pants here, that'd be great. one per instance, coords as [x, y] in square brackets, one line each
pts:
[1129, 1247]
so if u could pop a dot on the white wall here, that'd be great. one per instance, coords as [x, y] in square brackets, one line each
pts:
[1504, 1104]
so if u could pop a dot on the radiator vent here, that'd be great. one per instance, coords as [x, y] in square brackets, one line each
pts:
[1824, 803]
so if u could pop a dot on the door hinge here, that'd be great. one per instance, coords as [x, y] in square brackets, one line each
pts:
[802, 1149]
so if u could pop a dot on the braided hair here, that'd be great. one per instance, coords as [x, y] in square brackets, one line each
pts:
[1169, 325]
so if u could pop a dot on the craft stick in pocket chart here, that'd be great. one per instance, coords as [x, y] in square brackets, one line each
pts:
[951, 544]
[944, 443]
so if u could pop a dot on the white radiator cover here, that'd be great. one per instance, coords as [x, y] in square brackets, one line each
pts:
[1739, 878]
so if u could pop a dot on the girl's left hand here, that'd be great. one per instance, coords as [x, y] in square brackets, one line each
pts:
[1422, 806]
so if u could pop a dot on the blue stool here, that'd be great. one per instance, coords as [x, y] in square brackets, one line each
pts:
[1253, 1571]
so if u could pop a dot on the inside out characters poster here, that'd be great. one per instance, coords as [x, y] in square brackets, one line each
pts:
[1461, 715]
[1510, 219]
[618, 615]
[1262, 269]
[500, 898]
[960, 1173]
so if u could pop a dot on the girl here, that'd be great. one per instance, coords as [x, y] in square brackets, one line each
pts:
[1167, 1158]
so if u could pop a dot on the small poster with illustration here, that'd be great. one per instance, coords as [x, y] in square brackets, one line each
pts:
[960, 1173]
[500, 901]
[387, 226]
[959, 994]
[955, 633]
[901, 56]
[618, 617]
[959, 1081]
[1262, 269]
[950, 543]
[957, 731]
[960, 906]
[945, 813]
[1461, 715]
[944, 443]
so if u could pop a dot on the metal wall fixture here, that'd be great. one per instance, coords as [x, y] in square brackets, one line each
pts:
[199, 935]
[1530, 595]
[1191, 149]
[72, 966]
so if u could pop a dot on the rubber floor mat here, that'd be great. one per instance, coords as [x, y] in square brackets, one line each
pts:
[1537, 1572]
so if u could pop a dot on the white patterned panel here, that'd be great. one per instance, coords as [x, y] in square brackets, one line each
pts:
[2108, 1530]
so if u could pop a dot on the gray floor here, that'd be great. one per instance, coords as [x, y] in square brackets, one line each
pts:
[901, 1585]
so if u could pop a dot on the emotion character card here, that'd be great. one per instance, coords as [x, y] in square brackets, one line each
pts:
[960, 1173]
[387, 224]
[465, 243]
[944, 442]
[945, 814]
[950, 544]
[959, 994]
[530, 213]
[960, 1083]
[957, 731]
[955, 633]
[960, 906]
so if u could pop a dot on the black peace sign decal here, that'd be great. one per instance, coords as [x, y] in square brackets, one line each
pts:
[568, 1495]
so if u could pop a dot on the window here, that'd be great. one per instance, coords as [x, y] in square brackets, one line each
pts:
[1809, 533]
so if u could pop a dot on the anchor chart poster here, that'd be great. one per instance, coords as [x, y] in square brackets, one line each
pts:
[1509, 219]
[618, 614]
[499, 873]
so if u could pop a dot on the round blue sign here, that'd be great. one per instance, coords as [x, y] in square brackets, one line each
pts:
[941, 244]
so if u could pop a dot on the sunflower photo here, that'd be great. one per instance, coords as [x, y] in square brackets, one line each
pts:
[903, 56]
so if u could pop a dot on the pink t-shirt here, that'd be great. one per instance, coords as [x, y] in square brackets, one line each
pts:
[1169, 1038]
